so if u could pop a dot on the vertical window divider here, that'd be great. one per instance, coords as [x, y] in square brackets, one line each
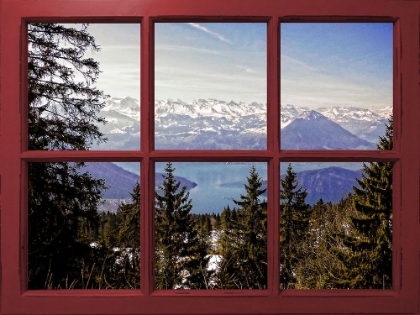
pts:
[273, 272]
[397, 84]
[23, 214]
[24, 231]
[273, 85]
[24, 85]
[273, 141]
[147, 169]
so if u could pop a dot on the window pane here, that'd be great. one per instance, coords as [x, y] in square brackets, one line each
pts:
[84, 86]
[336, 85]
[211, 230]
[84, 226]
[336, 225]
[210, 85]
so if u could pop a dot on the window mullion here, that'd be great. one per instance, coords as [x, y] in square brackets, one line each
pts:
[273, 84]
[147, 169]
[273, 140]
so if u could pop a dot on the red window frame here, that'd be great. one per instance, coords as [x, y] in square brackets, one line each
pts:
[15, 299]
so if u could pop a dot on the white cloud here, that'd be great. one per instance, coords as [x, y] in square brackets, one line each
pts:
[246, 69]
[206, 30]
[186, 48]
[322, 90]
[297, 63]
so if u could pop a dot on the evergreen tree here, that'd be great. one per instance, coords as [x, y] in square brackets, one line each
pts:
[180, 253]
[294, 226]
[216, 225]
[128, 240]
[225, 218]
[62, 115]
[244, 242]
[369, 261]
[116, 248]
[320, 267]
[106, 273]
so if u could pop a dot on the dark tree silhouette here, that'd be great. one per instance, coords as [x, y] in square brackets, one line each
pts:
[180, 253]
[369, 262]
[243, 243]
[294, 225]
[62, 115]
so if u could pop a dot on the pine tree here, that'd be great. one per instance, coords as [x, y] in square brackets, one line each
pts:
[244, 242]
[225, 218]
[117, 247]
[217, 223]
[180, 253]
[369, 261]
[128, 240]
[294, 227]
[62, 115]
[320, 267]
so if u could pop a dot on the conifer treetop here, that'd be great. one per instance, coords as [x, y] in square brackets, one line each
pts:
[63, 103]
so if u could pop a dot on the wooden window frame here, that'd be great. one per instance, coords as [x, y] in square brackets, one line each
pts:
[16, 299]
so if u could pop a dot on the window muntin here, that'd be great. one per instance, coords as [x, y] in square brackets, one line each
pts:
[403, 300]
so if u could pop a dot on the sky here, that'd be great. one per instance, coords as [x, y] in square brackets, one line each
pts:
[334, 64]
[338, 64]
[226, 61]
[119, 58]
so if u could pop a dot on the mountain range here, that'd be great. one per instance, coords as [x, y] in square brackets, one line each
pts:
[214, 124]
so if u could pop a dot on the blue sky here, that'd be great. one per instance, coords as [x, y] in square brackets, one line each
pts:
[344, 64]
[347, 64]
[225, 61]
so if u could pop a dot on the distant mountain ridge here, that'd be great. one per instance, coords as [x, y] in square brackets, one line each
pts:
[336, 183]
[215, 124]
[330, 184]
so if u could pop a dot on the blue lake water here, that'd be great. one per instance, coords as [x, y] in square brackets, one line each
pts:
[217, 183]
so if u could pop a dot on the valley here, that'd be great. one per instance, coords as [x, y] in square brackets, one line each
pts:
[214, 125]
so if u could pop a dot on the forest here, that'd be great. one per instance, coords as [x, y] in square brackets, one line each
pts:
[71, 245]
[347, 245]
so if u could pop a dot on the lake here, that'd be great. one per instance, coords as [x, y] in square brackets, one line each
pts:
[217, 183]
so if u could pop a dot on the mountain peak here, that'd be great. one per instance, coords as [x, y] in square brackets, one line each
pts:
[311, 114]
[313, 131]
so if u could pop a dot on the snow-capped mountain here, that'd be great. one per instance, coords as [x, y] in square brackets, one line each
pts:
[366, 123]
[123, 124]
[128, 106]
[209, 124]
[214, 124]
[313, 131]
[209, 108]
